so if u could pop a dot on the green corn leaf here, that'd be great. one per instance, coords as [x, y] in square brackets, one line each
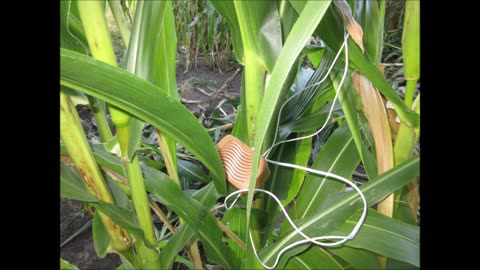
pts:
[310, 121]
[107, 159]
[298, 36]
[347, 98]
[124, 218]
[338, 207]
[313, 258]
[338, 156]
[195, 214]
[119, 195]
[101, 239]
[64, 265]
[288, 16]
[315, 54]
[165, 54]
[76, 27]
[71, 187]
[175, 244]
[300, 33]
[164, 74]
[140, 57]
[385, 236]
[207, 196]
[145, 101]
[403, 211]
[261, 32]
[189, 171]
[370, 17]
[357, 258]
[319, 94]
[399, 265]
[67, 39]
[331, 31]
[234, 219]
[285, 182]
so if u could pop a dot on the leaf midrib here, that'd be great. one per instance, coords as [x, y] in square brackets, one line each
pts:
[324, 179]
[284, 240]
[386, 231]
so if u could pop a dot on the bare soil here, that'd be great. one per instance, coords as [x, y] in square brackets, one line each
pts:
[80, 251]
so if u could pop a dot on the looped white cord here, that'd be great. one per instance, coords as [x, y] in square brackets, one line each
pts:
[344, 44]
[314, 240]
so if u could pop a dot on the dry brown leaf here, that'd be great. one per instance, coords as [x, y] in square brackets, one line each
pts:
[413, 196]
[374, 109]
[353, 28]
[392, 114]
[392, 119]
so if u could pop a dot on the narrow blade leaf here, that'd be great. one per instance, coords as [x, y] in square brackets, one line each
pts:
[145, 101]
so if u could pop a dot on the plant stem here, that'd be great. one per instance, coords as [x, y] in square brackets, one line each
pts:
[142, 210]
[164, 77]
[405, 144]
[253, 94]
[195, 254]
[123, 183]
[409, 92]
[232, 235]
[254, 75]
[99, 110]
[121, 20]
[76, 28]
[168, 156]
[98, 106]
[75, 141]
[96, 31]
[161, 215]
[411, 48]
[416, 108]
[407, 136]
[222, 127]
[99, 42]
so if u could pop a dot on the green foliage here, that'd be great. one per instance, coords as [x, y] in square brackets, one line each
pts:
[202, 31]
[276, 42]
[64, 265]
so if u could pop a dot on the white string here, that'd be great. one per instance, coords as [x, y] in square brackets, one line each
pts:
[307, 239]
[321, 81]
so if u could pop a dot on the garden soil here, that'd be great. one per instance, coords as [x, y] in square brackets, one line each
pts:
[80, 251]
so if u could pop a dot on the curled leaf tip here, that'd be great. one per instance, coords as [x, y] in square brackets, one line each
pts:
[356, 32]
[353, 28]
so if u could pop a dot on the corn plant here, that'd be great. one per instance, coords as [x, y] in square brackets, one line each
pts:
[281, 99]
[202, 32]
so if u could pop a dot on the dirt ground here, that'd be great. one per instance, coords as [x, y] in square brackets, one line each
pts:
[198, 87]
[80, 251]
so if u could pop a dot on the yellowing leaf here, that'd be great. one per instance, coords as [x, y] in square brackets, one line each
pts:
[413, 196]
[377, 117]
[353, 28]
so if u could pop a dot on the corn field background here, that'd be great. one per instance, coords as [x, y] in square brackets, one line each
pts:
[210, 76]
